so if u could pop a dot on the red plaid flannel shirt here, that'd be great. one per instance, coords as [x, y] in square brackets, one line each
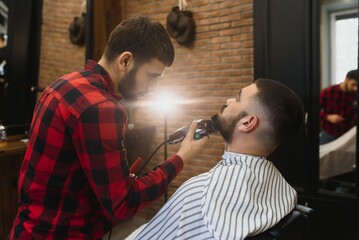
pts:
[333, 100]
[74, 182]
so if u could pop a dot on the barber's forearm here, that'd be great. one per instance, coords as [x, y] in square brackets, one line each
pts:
[146, 189]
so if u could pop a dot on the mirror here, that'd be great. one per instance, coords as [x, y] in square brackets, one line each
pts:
[4, 9]
[339, 55]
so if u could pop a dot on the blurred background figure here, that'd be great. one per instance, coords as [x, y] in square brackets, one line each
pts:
[338, 108]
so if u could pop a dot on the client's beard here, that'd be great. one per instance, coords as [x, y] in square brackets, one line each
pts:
[228, 124]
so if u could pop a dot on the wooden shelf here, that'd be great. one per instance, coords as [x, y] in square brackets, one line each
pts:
[13, 146]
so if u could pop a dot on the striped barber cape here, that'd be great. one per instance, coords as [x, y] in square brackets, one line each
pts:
[241, 196]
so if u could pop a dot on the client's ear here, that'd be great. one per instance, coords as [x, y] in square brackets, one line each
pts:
[248, 123]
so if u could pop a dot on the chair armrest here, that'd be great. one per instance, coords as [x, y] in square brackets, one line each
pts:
[292, 227]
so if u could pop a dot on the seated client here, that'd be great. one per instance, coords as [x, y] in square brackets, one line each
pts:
[244, 194]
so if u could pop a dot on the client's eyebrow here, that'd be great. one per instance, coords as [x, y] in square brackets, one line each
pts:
[239, 95]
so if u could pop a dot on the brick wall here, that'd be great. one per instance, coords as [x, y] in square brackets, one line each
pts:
[205, 75]
[58, 55]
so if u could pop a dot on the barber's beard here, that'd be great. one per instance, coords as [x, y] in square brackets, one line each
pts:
[346, 87]
[128, 85]
[228, 124]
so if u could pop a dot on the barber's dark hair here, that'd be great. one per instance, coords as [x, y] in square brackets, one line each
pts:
[284, 108]
[353, 74]
[144, 37]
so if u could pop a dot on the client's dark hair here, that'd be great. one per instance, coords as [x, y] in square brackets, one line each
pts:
[144, 37]
[283, 107]
[353, 75]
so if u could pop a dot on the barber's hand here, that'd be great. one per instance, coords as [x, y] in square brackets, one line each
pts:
[334, 118]
[189, 146]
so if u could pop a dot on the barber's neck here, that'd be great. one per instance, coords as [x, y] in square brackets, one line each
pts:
[112, 69]
[342, 86]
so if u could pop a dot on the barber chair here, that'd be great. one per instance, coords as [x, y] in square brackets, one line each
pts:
[294, 226]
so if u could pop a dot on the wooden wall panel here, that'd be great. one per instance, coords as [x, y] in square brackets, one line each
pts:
[104, 16]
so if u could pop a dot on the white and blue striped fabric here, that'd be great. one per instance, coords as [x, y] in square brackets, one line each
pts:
[241, 196]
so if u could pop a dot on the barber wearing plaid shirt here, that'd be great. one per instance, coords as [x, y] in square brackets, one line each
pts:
[74, 181]
[338, 108]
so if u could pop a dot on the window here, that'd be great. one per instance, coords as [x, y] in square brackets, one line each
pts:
[344, 44]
